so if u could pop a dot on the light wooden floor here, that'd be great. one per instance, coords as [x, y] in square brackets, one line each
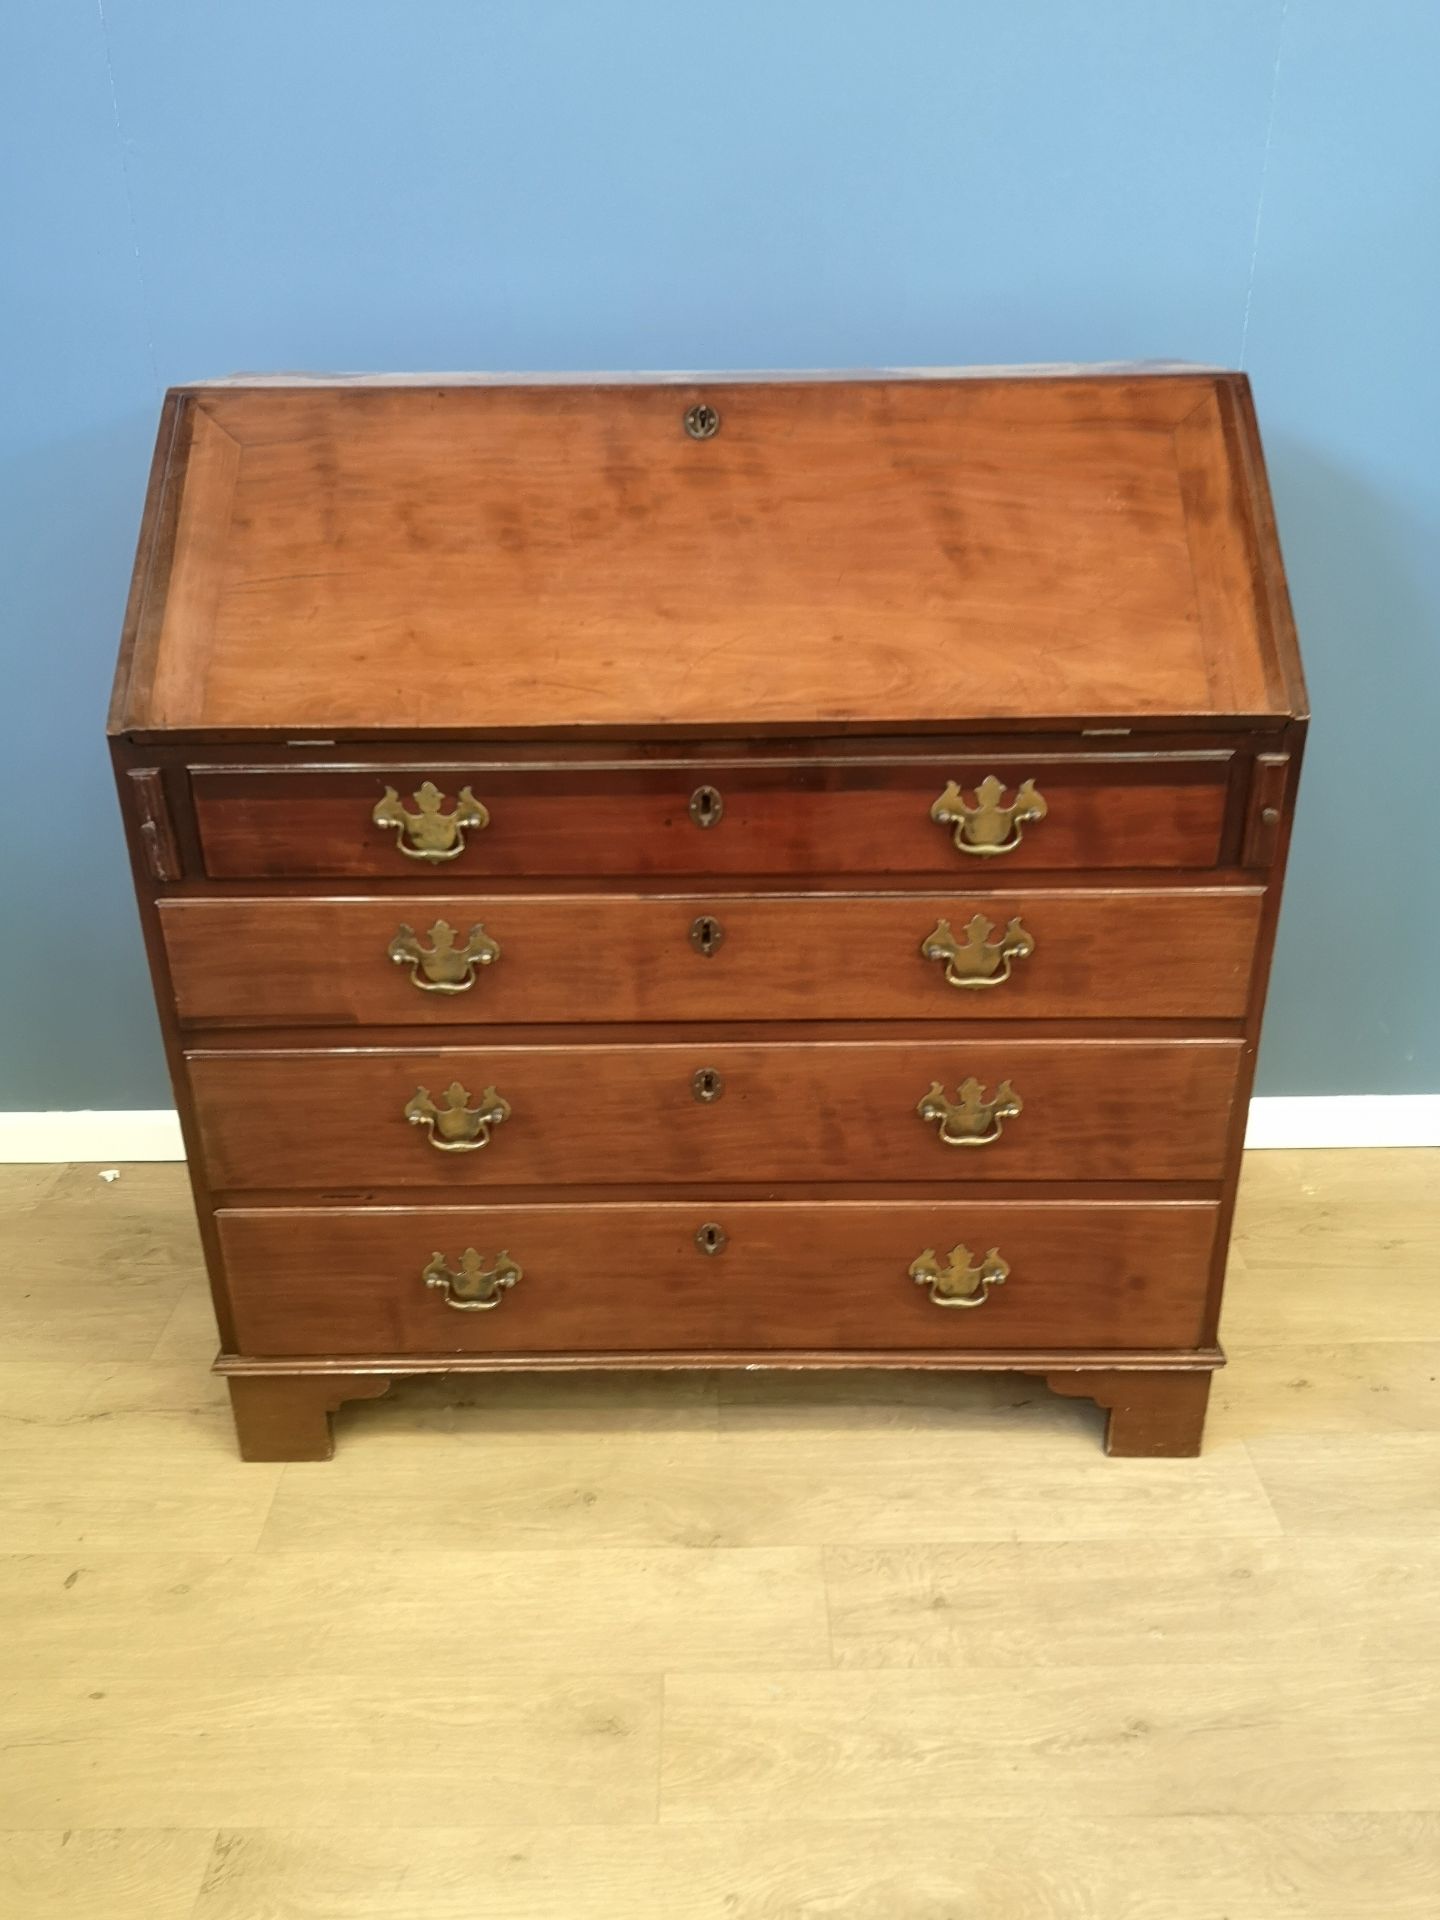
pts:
[723, 1649]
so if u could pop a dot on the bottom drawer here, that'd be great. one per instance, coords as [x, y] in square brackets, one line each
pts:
[843, 1276]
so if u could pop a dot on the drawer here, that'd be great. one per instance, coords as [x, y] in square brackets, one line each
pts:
[799, 1277]
[714, 817]
[701, 1113]
[451, 960]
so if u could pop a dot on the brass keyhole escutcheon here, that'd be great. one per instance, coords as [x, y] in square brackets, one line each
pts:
[706, 806]
[702, 422]
[706, 1084]
[706, 933]
[710, 1238]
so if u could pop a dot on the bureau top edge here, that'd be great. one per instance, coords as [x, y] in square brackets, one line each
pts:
[233, 749]
[781, 556]
[680, 376]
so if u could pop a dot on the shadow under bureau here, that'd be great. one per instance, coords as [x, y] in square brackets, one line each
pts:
[711, 872]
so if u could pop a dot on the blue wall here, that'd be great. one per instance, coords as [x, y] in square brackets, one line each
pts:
[450, 184]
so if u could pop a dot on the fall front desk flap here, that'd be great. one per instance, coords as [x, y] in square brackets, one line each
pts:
[789, 554]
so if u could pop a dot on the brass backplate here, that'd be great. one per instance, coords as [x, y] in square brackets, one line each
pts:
[988, 826]
[959, 1282]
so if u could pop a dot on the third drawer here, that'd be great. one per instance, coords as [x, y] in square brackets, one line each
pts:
[669, 1113]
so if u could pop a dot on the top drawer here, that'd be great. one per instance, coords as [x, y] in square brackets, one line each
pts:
[874, 816]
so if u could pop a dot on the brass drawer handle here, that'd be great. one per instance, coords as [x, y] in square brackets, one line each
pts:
[452, 1124]
[972, 1120]
[958, 1283]
[446, 966]
[988, 828]
[977, 960]
[475, 1288]
[430, 834]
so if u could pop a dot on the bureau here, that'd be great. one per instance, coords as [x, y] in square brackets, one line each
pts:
[711, 872]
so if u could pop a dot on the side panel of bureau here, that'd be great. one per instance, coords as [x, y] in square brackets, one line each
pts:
[1162, 954]
[614, 1278]
[809, 1112]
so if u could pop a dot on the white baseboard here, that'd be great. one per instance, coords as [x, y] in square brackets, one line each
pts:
[1345, 1120]
[1331, 1120]
[107, 1137]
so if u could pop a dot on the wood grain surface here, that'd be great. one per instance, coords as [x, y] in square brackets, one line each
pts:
[1167, 954]
[836, 1275]
[864, 816]
[725, 664]
[521, 555]
[905, 1744]
[787, 1112]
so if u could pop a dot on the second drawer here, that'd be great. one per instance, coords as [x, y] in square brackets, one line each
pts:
[811, 1113]
[453, 960]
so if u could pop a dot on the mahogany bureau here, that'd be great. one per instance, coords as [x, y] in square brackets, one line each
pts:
[711, 872]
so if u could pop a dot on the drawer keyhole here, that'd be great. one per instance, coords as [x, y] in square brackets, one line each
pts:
[706, 933]
[710, 1238]
[702, 422]
[706, 1084]
[706, 806]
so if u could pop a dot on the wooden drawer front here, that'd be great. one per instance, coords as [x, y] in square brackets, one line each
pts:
[622, 1279]
[822, 1112]
[806, 817]
[1157, 955]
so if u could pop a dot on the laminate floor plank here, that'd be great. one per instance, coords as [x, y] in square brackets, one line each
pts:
[127, 1457]
[565, 1405]
[267, 1618]
[375, 1749]
[1267, 1602]
[94, 1267]
[722, 1646]
[1274, 1303]
[1381, 1199]
[189, 1333]
[767, 1489]
[1236, 1867]
[1160, 1739]
[130, 1874]
[22, 1188]
[1351, 1486]
[1359, 1387]
[1335, 1246]
[45, 1392]
[984, 1407]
